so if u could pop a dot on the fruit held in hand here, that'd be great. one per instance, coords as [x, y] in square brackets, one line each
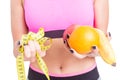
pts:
[105, 49]
[83, 38]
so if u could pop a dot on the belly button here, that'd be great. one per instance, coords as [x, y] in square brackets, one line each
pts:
[61, 67]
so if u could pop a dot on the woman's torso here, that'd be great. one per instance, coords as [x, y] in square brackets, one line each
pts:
[60, 61]
[58, 15]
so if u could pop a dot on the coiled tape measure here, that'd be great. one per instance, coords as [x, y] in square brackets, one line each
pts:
[39, 37]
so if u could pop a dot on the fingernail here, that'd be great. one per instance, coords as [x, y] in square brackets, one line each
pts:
[20, 46]
[18, 42]
[64, 41]
[71, 51]
[109, 34]
[114, 64]
[93, 47]
[24, 44]
[67, 36]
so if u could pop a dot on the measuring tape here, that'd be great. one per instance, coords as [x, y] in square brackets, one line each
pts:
[39, 37]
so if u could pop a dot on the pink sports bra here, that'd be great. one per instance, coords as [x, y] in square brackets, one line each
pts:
[56, 15]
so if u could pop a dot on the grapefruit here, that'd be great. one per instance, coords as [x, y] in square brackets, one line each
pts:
[83, 38]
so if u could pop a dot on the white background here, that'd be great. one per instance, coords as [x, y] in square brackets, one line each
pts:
[7, 61]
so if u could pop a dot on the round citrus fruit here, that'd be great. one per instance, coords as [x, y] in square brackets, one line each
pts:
[83, 38]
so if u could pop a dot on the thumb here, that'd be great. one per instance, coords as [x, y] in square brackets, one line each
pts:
[77, 55]
[94, 52]
[38, 49]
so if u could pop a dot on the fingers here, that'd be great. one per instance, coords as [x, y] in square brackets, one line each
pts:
[30, 50]
[38, 49]
[94, 52]
[27, 53]
[77, 55]
[108, 35]
[94, 49]
[16, 48]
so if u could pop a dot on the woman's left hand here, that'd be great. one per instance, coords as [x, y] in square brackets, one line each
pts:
[94, 49]
[94, 52]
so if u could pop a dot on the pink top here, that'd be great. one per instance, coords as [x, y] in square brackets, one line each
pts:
[57, 14]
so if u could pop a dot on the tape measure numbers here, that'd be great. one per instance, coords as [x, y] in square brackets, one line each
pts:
[39, 37]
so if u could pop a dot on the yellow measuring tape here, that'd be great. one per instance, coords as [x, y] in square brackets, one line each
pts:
[39, 37]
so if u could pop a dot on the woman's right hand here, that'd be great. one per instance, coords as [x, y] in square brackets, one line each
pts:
[30, 50]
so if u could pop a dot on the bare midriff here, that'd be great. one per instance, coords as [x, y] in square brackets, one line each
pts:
[59, 60]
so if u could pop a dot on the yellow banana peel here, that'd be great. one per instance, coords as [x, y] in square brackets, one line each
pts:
[105, 49]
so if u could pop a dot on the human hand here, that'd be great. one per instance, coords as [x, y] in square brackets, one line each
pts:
[94, 53]
[33, 43]
[30, 50]
[94, 49]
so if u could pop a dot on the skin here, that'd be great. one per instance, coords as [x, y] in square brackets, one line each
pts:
[58, 58]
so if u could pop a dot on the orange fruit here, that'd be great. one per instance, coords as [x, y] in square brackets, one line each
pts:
[69, 30]
[83, 38]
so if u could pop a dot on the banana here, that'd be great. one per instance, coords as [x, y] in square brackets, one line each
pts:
[105, 49]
